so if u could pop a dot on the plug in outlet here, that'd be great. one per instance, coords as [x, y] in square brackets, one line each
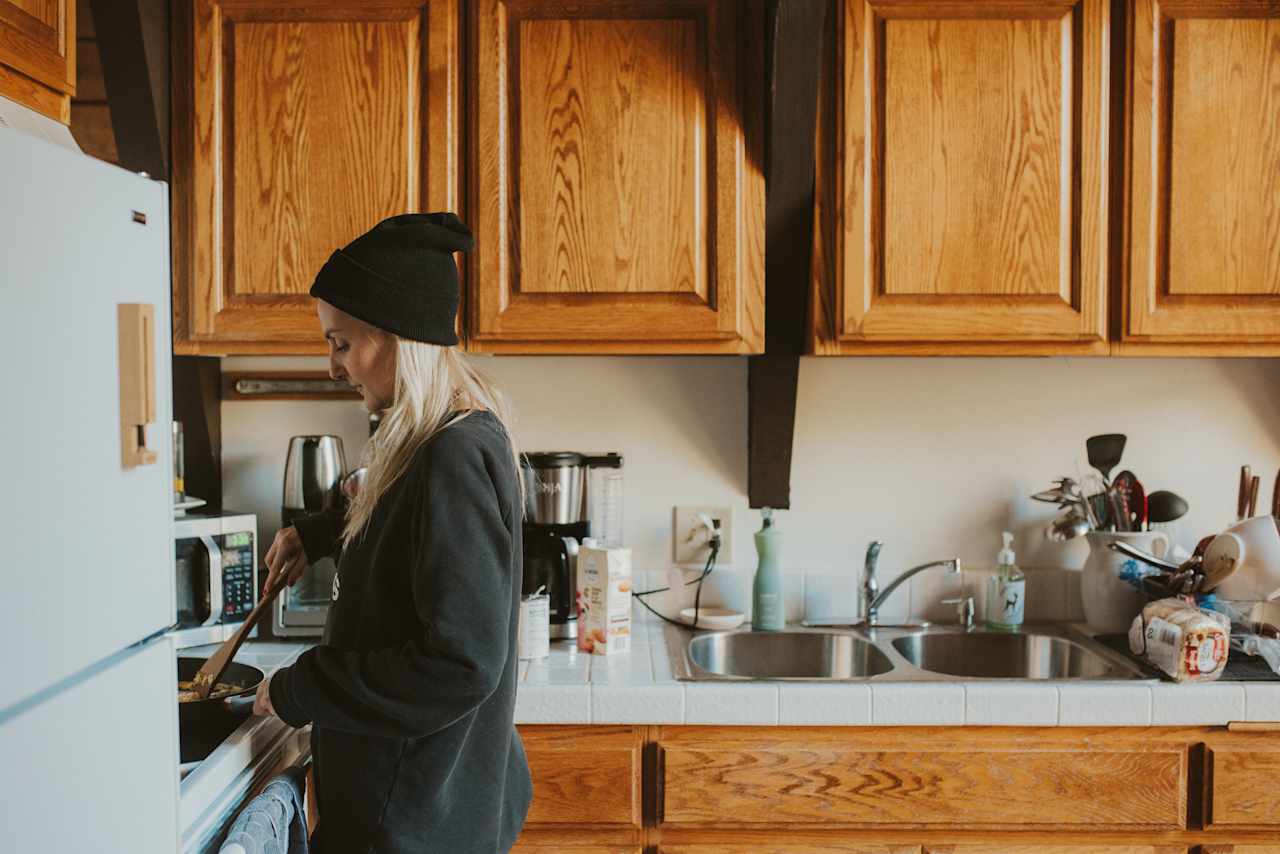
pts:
[691, 539]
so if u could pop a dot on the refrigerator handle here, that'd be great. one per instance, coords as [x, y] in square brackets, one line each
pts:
[136, 323]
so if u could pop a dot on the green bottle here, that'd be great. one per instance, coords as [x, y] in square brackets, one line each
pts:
[768, 612]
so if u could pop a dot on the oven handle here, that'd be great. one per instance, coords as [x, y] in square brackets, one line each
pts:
[215, 582]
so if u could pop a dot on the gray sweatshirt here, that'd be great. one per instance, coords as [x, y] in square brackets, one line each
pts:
[411, 695]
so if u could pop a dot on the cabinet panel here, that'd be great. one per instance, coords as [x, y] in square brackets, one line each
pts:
[583, 775]
[312, 122]
[1204, 252]
[37, 39]
[619, 187]
[923, 779]
[1244, 791]
[1049, 848]
[781, 844]
[967, 148]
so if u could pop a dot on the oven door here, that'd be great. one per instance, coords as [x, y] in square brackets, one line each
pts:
[301, 610]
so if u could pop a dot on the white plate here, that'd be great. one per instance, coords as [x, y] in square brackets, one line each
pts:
[714, 618]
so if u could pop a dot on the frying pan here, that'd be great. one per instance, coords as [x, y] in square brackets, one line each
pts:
[203, 724]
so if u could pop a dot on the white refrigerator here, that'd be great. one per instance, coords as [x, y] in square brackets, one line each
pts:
[88, 719]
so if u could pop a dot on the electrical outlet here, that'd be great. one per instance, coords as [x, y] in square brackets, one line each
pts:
[691, 539]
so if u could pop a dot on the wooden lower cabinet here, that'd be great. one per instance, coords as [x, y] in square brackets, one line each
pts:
[901, 790]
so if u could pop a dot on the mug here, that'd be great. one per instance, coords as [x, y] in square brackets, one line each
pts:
[1257, 575]
[1110, 603]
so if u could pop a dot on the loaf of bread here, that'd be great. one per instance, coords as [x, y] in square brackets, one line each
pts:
[1189, 644]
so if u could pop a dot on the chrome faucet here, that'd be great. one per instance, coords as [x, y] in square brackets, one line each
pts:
[873, 597]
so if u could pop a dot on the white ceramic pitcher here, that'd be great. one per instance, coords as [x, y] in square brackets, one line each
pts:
[1110, 603]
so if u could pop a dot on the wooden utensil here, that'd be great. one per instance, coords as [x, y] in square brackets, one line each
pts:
[1242, 494]
[211, 671]
[1275, 497]
[1254, 483]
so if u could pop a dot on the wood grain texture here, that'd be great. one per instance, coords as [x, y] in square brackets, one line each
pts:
[972, 162]
[782, 846]
[27, 92]
[1013, 847]
[1219, 848]
[318, 149]
[584, 775]
[1224, 212]
[310, 122]
[90, 85]
[1203, 196]
[612, 142]
[1245, 791]
[649, 236]
[923, 778]
[968, 148]
[38, 39]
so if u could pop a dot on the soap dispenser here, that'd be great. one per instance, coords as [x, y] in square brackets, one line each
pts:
[768, 612]
[1006, 590]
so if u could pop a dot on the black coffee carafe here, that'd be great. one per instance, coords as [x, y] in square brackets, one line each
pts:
[556, 521]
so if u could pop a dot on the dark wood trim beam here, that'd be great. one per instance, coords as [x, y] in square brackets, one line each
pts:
[133, 41]
[793, 43]
[197, 403]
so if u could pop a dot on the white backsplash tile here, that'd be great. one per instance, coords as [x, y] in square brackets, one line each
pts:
[626, 704]
[1023, 705]
[831, 596]
[1215, 703]
[919, 704]
[929, 588]
[737, 704]
[824, 704]
[1104, 704]
[1046, 595]
[1262, 702]
[1075, 608]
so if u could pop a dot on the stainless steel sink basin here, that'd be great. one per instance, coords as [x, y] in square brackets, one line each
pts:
[893, 654]
[788, 655]
[1024, 655]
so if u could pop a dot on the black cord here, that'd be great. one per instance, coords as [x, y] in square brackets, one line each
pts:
[697, 596]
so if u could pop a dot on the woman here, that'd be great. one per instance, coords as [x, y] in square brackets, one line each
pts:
[411, 694]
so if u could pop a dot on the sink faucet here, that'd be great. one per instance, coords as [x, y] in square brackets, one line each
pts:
[873, 597]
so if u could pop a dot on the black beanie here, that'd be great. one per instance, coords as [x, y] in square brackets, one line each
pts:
[400, 277]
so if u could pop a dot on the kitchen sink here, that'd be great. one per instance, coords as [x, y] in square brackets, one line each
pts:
[1022, 655]
[788, 655]
[895, 654]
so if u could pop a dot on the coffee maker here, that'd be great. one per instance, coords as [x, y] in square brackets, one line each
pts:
[569, 496]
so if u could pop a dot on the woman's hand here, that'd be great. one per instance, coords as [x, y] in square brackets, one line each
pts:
[285, 558]
[262, 699]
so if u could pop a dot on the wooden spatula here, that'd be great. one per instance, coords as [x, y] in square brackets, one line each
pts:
[211, 671]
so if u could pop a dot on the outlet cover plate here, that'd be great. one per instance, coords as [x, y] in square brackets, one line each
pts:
[690, 538]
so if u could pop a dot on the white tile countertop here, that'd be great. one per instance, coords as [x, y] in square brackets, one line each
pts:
[570, 687]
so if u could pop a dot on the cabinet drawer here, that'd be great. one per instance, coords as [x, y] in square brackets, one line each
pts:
[584, 775]
[1244, 788]
[924, 778]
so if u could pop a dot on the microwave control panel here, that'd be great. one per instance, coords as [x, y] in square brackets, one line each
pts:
[238, 595]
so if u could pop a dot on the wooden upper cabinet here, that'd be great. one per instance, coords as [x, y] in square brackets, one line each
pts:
[38, 55]
[1203, 264]
[313, 120]
[963, 174]
[618, 196]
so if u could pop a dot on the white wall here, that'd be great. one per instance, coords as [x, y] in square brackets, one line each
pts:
[933, 456]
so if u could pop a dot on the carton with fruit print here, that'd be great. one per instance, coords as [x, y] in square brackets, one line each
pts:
[604, 600]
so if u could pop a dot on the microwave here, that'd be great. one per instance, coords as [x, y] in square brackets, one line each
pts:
[216, 569]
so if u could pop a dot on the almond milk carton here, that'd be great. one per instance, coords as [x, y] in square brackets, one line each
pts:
[604, 600]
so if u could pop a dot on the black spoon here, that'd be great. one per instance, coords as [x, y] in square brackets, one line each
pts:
[1165, 506]
[1105, 452]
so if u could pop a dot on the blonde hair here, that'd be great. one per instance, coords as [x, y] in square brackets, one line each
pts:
[431, 382]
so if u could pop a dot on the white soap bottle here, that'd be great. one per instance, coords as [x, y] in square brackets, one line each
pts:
[1006, 591]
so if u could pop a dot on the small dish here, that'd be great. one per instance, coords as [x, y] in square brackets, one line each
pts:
[714, 618]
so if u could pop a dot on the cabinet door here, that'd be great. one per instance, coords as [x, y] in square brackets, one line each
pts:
[313, 120]
[962, 205]
[1242, 772]
[992, 779]
[584, 776]
[619, 195]
[38, 54]
[1204, 218]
